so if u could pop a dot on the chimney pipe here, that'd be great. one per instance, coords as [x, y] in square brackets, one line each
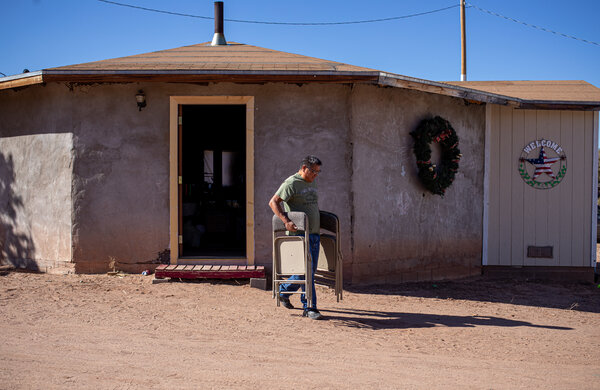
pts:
[219, 37]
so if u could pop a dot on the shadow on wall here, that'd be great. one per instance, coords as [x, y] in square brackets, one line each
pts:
[16, 248]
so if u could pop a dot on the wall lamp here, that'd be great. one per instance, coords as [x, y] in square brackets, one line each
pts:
[140, 98]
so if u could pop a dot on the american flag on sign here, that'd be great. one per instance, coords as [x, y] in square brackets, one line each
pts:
[543, 164]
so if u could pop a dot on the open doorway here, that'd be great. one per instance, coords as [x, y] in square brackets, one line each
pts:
[212, 190]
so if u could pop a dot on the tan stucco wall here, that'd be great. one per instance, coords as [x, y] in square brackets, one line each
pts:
[392, 229]
[121, 166]
[401, 232]
[36, 163]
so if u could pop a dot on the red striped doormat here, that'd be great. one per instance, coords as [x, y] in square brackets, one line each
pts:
[209, 271]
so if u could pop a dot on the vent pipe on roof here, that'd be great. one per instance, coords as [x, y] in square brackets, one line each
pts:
[219, 37]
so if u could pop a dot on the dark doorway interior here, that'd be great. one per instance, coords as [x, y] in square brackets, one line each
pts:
[213, 170]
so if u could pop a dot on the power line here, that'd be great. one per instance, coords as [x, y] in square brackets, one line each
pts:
[155, 10]
[283, 23]
[469, 5]
[531, 25]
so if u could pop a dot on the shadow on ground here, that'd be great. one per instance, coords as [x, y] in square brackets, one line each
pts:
[556, 295]
[396, 320]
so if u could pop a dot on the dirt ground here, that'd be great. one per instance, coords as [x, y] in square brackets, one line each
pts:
[111, 332]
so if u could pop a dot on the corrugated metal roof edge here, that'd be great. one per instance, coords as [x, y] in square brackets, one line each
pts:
[395, 80]
[20, 80]
[376, 77]
[21, 76]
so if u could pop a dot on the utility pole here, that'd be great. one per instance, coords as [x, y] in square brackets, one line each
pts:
[463, 43]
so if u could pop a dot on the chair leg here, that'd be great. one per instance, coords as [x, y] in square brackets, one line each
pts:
[308, 282]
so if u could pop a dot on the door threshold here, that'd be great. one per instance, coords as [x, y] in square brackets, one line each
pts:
[212, 260]
[216, 258]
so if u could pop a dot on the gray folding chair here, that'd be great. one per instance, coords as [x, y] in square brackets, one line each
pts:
[329, 268]
[291, 255]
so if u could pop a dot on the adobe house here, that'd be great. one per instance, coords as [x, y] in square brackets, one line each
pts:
[90, 179]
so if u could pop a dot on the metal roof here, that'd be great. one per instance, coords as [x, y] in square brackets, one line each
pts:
[243, 63]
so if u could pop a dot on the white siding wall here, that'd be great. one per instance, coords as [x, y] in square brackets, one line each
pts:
[520, 215]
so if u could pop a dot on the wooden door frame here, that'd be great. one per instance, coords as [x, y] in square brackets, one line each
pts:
[175, 234]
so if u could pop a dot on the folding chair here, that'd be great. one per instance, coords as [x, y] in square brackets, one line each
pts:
[291, 255]
[329, 268]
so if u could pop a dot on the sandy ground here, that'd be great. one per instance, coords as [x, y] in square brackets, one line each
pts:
[110, 332]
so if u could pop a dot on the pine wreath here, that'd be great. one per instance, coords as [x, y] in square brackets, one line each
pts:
[436, 179]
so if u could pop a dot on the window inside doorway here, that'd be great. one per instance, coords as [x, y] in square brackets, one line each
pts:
[213, 189]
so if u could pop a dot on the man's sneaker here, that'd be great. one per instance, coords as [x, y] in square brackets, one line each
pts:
[285, 301]
[313, 314]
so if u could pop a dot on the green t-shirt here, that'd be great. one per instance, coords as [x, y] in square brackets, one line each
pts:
[300, 195]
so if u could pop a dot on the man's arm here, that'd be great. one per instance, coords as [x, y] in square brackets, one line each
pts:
[277, 207]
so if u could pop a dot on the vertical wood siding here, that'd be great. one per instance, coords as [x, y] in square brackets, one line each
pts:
[522, 216]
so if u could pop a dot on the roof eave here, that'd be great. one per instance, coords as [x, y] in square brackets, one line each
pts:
[559, 105]
[470, 94]
[21, 80]
[195, 76]
[445, 89]
[287, 76]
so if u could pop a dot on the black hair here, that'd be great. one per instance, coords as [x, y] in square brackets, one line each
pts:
[310, 160]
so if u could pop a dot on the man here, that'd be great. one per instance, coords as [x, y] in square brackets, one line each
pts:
[299, 193]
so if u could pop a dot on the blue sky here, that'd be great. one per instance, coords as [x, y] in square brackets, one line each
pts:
[38, 34]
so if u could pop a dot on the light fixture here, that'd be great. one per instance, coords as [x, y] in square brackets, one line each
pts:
[140, 98]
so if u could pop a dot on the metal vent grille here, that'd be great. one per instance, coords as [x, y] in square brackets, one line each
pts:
[544, 252]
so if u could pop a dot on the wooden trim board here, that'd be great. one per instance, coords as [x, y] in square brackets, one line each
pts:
[175, 102]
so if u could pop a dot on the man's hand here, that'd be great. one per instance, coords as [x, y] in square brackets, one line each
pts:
[275, 204]
[291, 226]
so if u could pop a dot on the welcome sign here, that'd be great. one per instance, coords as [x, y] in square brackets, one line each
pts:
[542, 164]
